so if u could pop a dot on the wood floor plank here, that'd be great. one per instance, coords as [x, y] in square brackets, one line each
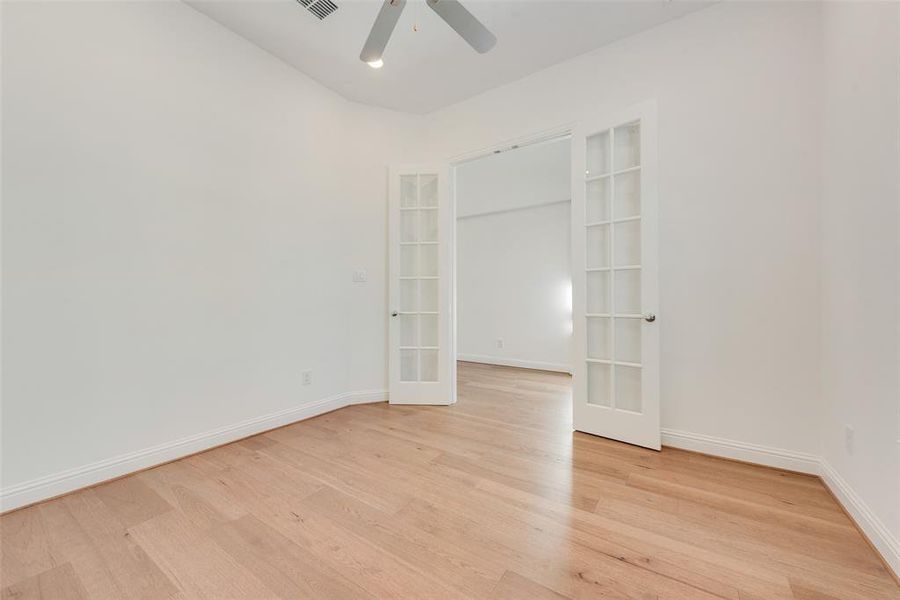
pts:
[191, 558]
[286, 568]
[131, 500]
[652, 548]
[58, 583]
[541, 538]
[106, 559]
[415, 547]
[743, 501]
[203, 500]
[513, 586]
[494, 497]
[802, 592]
[355, 482]
[25, 548]
[356, 557]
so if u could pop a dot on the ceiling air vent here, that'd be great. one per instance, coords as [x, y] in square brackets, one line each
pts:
[319, 8]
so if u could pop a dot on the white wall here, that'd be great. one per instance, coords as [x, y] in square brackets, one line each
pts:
[513, 277]
[737, 87]
[860, 314]
[179, 234]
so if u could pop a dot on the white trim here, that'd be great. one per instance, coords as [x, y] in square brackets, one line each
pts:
[514, 362]
[72, 479]
[752, 453]
[883, 540]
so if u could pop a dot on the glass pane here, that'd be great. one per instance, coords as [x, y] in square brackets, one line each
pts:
[628, 244]
[598, 337]
[598, 292]
[408, 260]
[428, 221]
[429, 365]
[597, 159]
[429, 290]
[408, 191]
[628, 195]
[628, 340]
[598, 384]
[409, 294]
[409, 226]
[428, 325]
[428, 263]
[409, 365]
[428, 195]
[628, 388]
[628, 146]
[628, 292]
[597, 200]
[408, 334]
[597, 246]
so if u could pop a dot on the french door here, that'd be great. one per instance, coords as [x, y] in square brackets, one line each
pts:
[614, 278]
[422, 361]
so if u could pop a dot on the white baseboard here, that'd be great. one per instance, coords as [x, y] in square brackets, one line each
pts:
[883, 540]
[514, 362]
[752, 453]
[66, 481]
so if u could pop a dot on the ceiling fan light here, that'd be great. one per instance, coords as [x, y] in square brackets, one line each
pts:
[375, 64]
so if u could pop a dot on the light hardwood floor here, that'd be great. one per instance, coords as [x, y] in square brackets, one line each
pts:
[494, 497]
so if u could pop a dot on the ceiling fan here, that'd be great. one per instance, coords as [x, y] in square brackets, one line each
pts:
[451, 11]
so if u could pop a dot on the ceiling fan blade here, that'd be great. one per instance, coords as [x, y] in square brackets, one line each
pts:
[464, 23]
[381, 30]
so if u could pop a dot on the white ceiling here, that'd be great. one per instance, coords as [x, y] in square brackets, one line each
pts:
[432, 67]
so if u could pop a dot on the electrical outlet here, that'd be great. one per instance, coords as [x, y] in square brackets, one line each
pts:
[306, 377]
[848, 439]
[360, 276]
[499, 342]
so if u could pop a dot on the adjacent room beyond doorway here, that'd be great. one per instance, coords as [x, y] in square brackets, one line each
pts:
[514, 287]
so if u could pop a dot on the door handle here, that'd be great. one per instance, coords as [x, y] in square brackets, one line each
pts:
[394, 314]
[649, 317]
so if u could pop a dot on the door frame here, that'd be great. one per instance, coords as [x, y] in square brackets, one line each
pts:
[560, 132]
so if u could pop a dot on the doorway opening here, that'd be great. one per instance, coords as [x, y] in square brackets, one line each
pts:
[513, 270]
